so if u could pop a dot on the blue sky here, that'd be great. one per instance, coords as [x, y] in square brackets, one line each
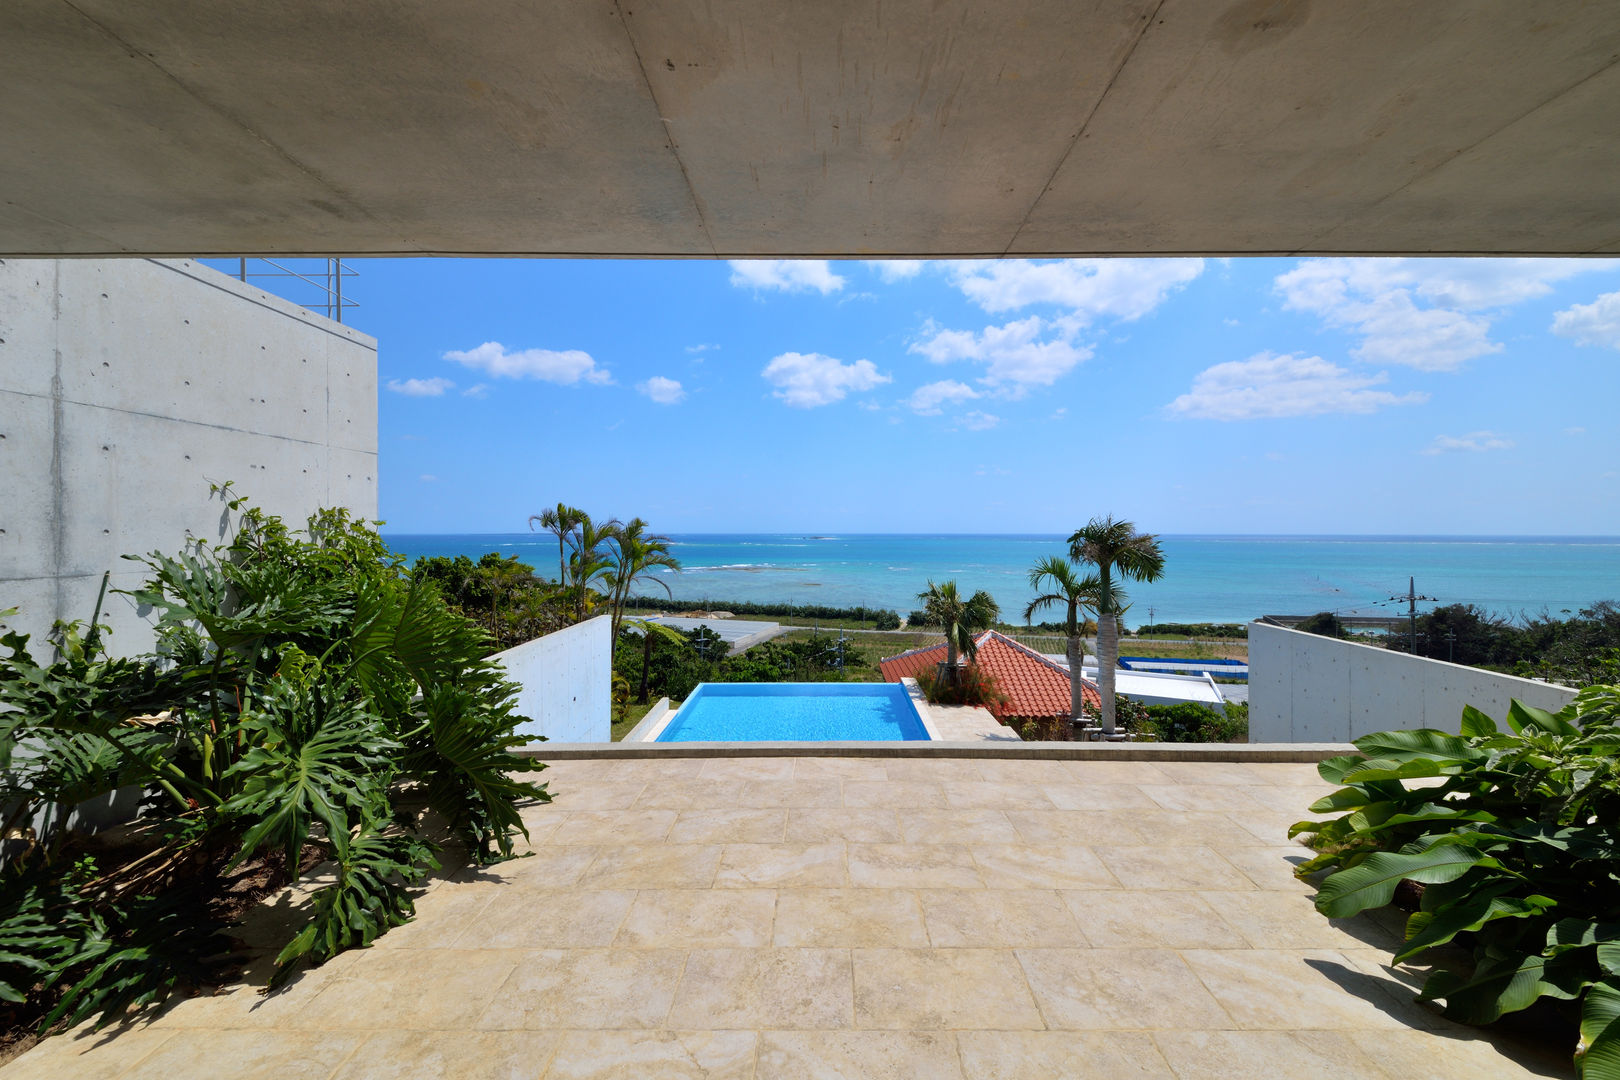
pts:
[1191, 396]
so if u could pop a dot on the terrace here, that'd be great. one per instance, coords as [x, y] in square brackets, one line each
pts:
[1005, 914]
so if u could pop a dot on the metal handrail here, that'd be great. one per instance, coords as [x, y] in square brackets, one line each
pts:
[330, 283]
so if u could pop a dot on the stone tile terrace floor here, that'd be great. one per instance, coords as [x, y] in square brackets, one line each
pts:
[848, 917]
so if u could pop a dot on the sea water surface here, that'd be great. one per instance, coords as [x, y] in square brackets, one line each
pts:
[1206, 579]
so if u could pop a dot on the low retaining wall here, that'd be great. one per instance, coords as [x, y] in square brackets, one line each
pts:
[566, 681]
[1308, 688]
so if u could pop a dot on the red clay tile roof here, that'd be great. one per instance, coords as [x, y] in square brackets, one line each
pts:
[1037, 687]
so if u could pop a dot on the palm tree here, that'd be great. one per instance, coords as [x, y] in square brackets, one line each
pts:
[636, 553]
[962, 619]
[560, 521]
[1064, 585]
[1114, 547]
[590, 560]
[648, 628]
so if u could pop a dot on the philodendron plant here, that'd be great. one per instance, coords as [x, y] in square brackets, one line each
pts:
[1513, 836]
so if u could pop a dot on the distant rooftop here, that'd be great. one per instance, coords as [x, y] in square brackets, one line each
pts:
[1036, 686]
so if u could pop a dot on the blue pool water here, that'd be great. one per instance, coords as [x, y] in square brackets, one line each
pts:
[796, 712]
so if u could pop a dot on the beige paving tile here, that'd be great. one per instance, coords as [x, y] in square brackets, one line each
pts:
[933, 770]
[1024, 771]
[1268, 827]
[863, 826]
[522, 919]
[544, 868]
[1272, 867]
[245, 1055]
[1119, 989]
[246, 1006]
[1041, 866]
[1290, 989]
[934, 989]
[664, 769]
[957, 827]
[912, 866]
[1272, 919]
[764, 988]
[654, 866]
[409, 988]
[686, 794]
[88, 1055]
[1115, 772]
[847, 918]
[728, 826]
[1042, 1055]
[894, 794]
[689, 918]
[585, 988]
[1207, 772]
[871, 1055]
[1464, 1054]
[610, 827]
[612, 795]
[1202, 797]
[787, 866]
[677, 1055]
[1276, 1055]
[996, 795]
[818, 768]
[441, 916]
[1001, 918]
[1288, 774]
[822, 791]
[1074, 826]
[1194, 868]
[1294, 802]
[1151, 920]
[1069, 796]
[451, 1055]
[1174, 828]
[741, 768]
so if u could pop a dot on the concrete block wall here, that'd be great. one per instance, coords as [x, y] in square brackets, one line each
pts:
[567, 682]
[126, 387]
[1308, 688]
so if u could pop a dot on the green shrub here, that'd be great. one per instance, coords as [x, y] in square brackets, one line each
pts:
[971, 686]
[305, 695]
[1190, 722]
[886, 620]
[1323, 623]
[1516, 849]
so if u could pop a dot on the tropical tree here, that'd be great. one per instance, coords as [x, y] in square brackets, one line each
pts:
[591, 559]
[648, 629]
[635, 554]
[560, 521]
[1115, 548]
[1063, 584]
[961, 619]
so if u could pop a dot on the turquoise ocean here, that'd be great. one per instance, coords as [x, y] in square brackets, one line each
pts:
[1207, 578]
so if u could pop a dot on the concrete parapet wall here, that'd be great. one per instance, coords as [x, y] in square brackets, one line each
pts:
[127, 386]
[1308, 688]
[566, 681]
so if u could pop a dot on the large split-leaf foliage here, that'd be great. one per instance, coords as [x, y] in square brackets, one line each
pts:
[1514, 836]
[307, 702]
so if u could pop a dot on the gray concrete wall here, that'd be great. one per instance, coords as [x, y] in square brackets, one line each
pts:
[567, 682]
[1308, 688]
[126, 388]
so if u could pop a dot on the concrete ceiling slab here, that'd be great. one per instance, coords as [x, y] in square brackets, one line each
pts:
[859, 127]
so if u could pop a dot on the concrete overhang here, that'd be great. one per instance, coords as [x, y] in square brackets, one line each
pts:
[852, 127]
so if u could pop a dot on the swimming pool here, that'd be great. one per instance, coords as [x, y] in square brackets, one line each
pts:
[796, 712]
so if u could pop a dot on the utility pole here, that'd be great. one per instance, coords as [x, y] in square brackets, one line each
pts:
[1411, 598]
[1451, 646]
[1150, 618]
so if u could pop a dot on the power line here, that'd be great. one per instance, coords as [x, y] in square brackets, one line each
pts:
[1411, 599]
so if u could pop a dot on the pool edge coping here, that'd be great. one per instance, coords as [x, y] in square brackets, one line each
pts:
[1301, 753]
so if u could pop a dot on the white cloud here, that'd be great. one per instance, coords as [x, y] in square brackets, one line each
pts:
[1378, 299]
[706, 347]
[788, 275]
[806, 380]
[568, 368]
[1268, 385]
[892, 270]
[928, 399]
[663, 391]
[1474, 442]
[1020, 355]
[1597, 323]
[1574, 431]
[1121, 288]
[428, 478]
[434, 387]
[477, 390]
[978, 421]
